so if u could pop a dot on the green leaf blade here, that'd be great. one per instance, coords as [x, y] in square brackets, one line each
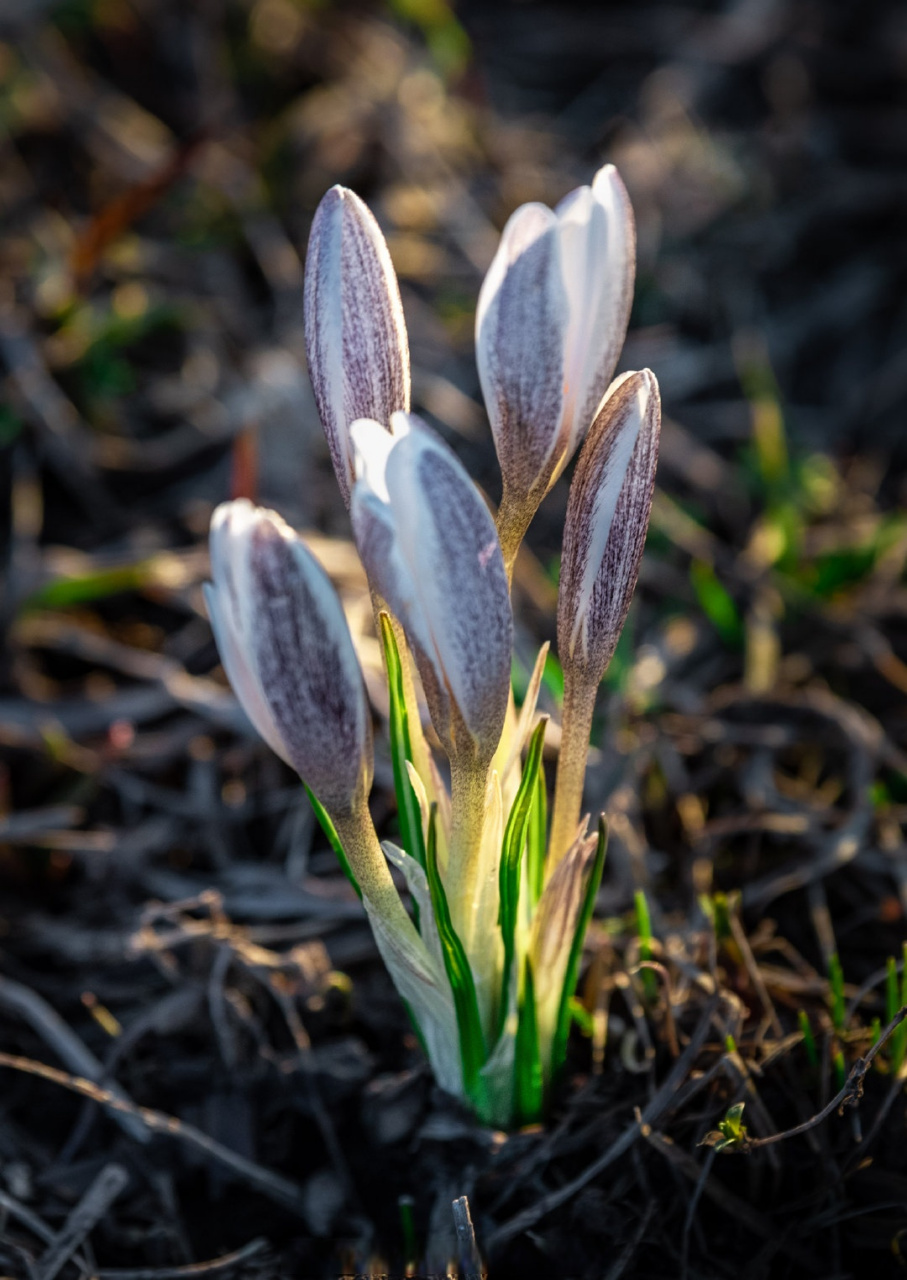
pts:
[514, 843]
[459, 974]
[529, 1087]
[408, 808]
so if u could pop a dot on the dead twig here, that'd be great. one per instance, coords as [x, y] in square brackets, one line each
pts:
[89, 1211]
[849, 1096]
[273, 1185]
[470, 1261]
[47, 1023]
[529, 1216]
[226, 1262]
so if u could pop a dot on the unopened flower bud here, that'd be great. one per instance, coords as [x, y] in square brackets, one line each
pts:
[287, 650]
[551, 321]
[355, 333]
[607, 519]
[430, 549]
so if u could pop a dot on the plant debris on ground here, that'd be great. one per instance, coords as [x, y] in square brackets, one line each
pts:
[205, 1068]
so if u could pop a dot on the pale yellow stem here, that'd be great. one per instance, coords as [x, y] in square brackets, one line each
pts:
[576, 725]
[468, 784]
[369, 865]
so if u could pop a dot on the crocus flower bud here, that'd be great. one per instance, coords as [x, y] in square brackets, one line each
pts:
[355, 333]
[430, 549]
[550, 324]
[287, 650]
[607, 518]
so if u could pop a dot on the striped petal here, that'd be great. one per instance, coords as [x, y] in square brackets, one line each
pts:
[607, 519]
[521, 323]
[287, 651]
[430, 549]
[597, 243]
[356, 341]
[551, 321]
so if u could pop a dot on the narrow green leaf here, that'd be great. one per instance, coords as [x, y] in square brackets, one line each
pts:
[512, 856]
[895, 1000]
[459, 975]
[559, 1044]
[901, 1031]
[644, 930]
[529, 1097]
[840, 1067]
[327, 827]
[408, 808]
[838, 1003]
[809, 1040]
[95, 585]
[537, 840]
[891, 988]
[716, 603]
[581, 1016]
[408, 1231]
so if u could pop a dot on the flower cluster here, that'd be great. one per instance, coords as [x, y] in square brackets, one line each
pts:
[486, 957]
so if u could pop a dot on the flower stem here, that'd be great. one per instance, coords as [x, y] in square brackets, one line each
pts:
[576, 725]
[369, 865]
[468, 784]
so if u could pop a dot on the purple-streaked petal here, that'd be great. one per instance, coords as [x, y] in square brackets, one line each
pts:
[597, 243]
[521, 321]
[287, 650]
[356, 340]
[225, 596]
[607, 518]
[431, 550]
[551, 321]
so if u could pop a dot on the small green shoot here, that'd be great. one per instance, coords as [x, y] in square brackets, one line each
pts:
[895, 998]
[581, 1016]
[410, 814]
[529, 1092]
[717, 603]
[840, 1067]
[838, 1016]
[644, 933]
[408, 1232]
[718, 908]
[838, 1004]
[809, 1040]
[83, 588]
[731, 1134]
[511, 860]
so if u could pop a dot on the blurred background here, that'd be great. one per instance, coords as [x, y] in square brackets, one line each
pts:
[161, 164]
